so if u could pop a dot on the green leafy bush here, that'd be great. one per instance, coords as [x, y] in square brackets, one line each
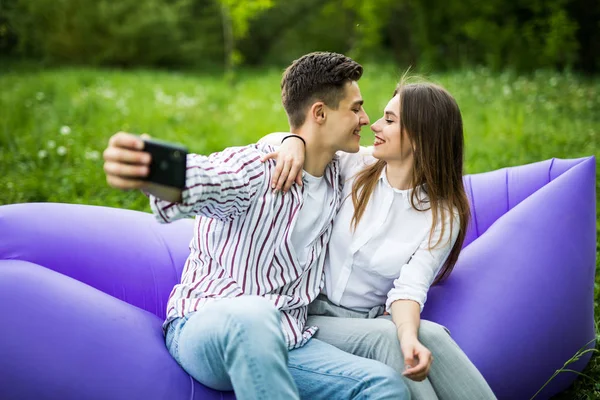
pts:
[125, 33]
[523, 35]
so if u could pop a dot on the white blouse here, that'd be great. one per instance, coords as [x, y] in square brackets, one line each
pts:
[388, 257]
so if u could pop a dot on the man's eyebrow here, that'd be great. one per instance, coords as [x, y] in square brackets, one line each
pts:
[358, 102]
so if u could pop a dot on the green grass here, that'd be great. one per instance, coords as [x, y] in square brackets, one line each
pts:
[509, 120]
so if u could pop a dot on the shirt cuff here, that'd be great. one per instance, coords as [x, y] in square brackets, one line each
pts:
[394, 295]
[166, 211]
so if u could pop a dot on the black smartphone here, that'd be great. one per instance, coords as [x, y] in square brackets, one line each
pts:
[168, 163]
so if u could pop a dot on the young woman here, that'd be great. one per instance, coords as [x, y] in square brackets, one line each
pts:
[398, 231]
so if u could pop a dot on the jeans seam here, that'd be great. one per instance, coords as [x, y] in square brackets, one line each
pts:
[239, 335]
[173, 344]
[335, 375]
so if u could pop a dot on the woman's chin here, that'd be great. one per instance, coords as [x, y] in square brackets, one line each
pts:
[378, 154]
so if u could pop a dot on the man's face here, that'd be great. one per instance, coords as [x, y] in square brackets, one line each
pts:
[344, 124]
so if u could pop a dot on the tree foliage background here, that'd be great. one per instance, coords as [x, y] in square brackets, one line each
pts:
[523, 35]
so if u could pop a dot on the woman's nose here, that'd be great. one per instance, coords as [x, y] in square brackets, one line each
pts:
[375, 127]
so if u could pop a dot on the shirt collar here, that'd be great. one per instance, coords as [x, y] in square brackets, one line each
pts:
[332, 173]
[405, 193]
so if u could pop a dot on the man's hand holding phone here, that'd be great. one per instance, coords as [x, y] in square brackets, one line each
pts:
[133, 162]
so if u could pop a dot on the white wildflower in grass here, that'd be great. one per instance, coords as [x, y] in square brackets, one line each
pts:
[40, 96]
[92, 155]
[107, 93]
[184, 101]
[61, 150]
[162, 97]
[42, 154]
[65, 130]
[122, 106]
[51, 144]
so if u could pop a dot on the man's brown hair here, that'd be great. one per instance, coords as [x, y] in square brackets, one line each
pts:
[318, 76]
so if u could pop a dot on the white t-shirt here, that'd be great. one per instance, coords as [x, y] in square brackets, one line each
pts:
[388, 257]
[311, 218]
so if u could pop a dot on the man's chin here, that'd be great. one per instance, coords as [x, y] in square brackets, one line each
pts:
[352, 148]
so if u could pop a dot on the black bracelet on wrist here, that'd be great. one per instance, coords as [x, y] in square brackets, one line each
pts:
[296, 136]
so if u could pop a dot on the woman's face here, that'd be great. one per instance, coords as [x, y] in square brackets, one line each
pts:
[387, 135]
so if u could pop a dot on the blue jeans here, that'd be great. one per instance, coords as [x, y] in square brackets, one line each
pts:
[237, 344]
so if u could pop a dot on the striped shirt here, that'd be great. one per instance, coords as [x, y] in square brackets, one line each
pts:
[242, 237]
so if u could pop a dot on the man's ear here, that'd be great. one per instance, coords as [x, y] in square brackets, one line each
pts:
[318, 112]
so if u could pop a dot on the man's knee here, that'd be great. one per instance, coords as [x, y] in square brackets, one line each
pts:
[251, 312]
[230, 317]
[251, 319]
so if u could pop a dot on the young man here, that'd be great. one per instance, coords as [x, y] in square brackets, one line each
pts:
[237, 319]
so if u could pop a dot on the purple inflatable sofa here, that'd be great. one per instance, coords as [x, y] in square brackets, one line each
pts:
[83, 291]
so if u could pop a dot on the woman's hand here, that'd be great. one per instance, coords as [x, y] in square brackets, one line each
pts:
[290, 160]
[417, 358]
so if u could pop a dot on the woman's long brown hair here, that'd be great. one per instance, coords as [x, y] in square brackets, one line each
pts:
[432, 121]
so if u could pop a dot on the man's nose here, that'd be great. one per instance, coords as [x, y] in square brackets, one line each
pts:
[364, 120]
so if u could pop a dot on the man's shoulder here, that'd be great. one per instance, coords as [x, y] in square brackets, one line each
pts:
[245, 153]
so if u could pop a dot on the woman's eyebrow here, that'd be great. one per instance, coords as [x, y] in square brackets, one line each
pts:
[388, 112]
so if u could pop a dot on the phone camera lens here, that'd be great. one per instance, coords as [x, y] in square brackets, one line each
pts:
[176, 154]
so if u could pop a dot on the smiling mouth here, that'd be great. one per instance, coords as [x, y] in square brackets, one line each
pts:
[357, 132]
[378, 141]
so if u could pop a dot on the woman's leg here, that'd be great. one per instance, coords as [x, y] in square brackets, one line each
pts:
[452, 375]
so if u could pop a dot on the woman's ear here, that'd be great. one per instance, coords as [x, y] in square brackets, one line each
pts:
[317, 112]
